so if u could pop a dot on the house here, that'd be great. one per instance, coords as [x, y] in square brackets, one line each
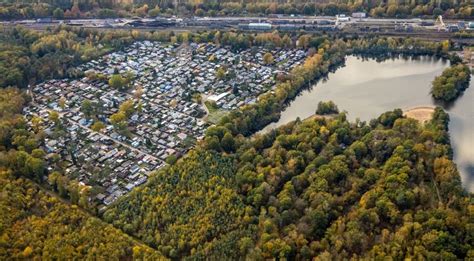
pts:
[168, 116]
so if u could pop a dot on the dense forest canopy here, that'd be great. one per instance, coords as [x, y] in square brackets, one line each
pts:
[69, 9]
[28, 56]
[319, 188]
[186, 207]
[451, 83]
[35, 224]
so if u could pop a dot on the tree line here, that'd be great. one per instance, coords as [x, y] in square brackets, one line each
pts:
[451, 9]
[67, 9]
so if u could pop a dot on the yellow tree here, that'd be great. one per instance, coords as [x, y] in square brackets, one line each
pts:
[268, 58]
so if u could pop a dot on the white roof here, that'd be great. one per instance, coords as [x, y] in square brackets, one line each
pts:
[216, 98]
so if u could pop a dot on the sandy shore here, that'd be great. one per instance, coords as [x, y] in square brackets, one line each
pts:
[422, 113]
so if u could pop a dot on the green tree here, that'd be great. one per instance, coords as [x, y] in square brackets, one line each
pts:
[98, 126]
[119, 121]
[54, 117]
[117, 82]
[228, 143]
[127, 107]
[154, 12]
[58, 13]
[221, 73]
[62, 103]
[327, 108]
[171, 159]
[36, 167]
[451, 83]
[87, 108]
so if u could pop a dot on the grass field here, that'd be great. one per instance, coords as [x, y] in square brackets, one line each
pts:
[215, 113]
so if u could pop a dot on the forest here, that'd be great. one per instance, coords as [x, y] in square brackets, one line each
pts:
[451, 83]
[28, 56]
[67, 9]
[35, 223]
[323, 187]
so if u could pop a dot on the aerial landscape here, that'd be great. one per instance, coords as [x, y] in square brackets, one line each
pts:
[236, 130]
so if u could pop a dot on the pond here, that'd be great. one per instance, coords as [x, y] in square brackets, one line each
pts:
[366, 88]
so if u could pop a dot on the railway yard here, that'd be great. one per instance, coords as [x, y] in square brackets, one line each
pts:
[355, 24]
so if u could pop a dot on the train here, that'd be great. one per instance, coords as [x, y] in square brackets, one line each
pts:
[286, 27]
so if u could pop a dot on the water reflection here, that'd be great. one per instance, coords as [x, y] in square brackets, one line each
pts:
[366, 88]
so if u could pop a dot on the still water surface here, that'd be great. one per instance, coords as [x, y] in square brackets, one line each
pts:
[367, 88]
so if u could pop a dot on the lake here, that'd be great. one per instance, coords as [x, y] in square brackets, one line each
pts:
[367, 88]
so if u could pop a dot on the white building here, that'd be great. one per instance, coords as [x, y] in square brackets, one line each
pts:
[216, 98]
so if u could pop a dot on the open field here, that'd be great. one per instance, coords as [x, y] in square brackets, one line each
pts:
[422, 113]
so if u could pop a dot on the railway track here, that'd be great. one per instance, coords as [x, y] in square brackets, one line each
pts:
[418, 33]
